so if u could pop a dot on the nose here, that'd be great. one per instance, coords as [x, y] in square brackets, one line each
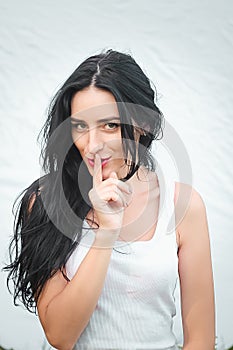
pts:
[95, 141]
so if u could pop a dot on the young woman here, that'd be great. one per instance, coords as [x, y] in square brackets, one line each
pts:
[103, 237]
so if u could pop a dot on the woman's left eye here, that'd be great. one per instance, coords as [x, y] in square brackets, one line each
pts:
[111, 126]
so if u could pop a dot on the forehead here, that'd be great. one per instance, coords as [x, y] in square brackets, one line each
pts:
[94, 103]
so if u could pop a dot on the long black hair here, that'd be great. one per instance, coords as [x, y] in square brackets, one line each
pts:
[49, 216]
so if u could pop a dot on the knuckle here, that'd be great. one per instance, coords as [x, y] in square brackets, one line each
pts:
[115, 196]
[114, 188]
[113, 181]
[90, 193]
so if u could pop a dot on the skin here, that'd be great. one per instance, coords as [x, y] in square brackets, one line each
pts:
[100, 140]
[121, 209]
[195, 270]
[93, 136]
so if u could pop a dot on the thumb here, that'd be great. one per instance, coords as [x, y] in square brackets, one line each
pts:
[113, 175]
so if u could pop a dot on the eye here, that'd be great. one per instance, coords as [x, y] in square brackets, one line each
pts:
[79, 126]
[111, 126]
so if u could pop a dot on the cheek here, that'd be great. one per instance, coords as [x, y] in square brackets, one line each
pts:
[79, 142]
[115, 144]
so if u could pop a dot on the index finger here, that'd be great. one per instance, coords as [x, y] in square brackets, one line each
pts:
[97, 175]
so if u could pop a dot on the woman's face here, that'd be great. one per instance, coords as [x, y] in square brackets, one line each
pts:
[96, 128]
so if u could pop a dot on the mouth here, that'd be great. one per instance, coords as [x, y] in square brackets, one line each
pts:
[104, 162]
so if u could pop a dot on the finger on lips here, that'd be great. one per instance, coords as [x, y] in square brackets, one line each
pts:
[97, 176]
[117, 186]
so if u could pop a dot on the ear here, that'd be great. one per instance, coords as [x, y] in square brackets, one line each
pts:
[142, 132]
[139, 132]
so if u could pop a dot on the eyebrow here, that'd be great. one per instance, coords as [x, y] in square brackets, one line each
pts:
[99, 121]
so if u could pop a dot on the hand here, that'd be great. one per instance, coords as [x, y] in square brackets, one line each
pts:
[109, 198]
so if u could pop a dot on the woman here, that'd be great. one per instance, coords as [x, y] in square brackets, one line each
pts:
[93, 254]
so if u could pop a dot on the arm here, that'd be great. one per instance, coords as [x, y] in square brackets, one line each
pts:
[65, 307]
[195, 272]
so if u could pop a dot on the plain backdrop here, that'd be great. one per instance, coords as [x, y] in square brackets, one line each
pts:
[185, 47]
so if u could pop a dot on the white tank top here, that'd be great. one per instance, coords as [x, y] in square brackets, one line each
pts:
[137, 304]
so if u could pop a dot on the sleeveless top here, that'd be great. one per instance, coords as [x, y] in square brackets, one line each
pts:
[137, 304]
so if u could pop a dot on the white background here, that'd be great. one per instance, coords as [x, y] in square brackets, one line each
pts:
[185, 47]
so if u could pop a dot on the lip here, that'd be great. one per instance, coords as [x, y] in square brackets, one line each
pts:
[104, 161]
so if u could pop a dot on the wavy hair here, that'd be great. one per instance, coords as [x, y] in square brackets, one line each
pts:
[44, 234]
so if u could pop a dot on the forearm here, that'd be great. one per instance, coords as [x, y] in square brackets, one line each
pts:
[201, 345]
[69, 312]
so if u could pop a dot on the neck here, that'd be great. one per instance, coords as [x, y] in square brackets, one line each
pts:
[141, 179]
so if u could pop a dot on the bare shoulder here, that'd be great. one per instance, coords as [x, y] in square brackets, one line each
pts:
[188, 197]
[189, 210]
